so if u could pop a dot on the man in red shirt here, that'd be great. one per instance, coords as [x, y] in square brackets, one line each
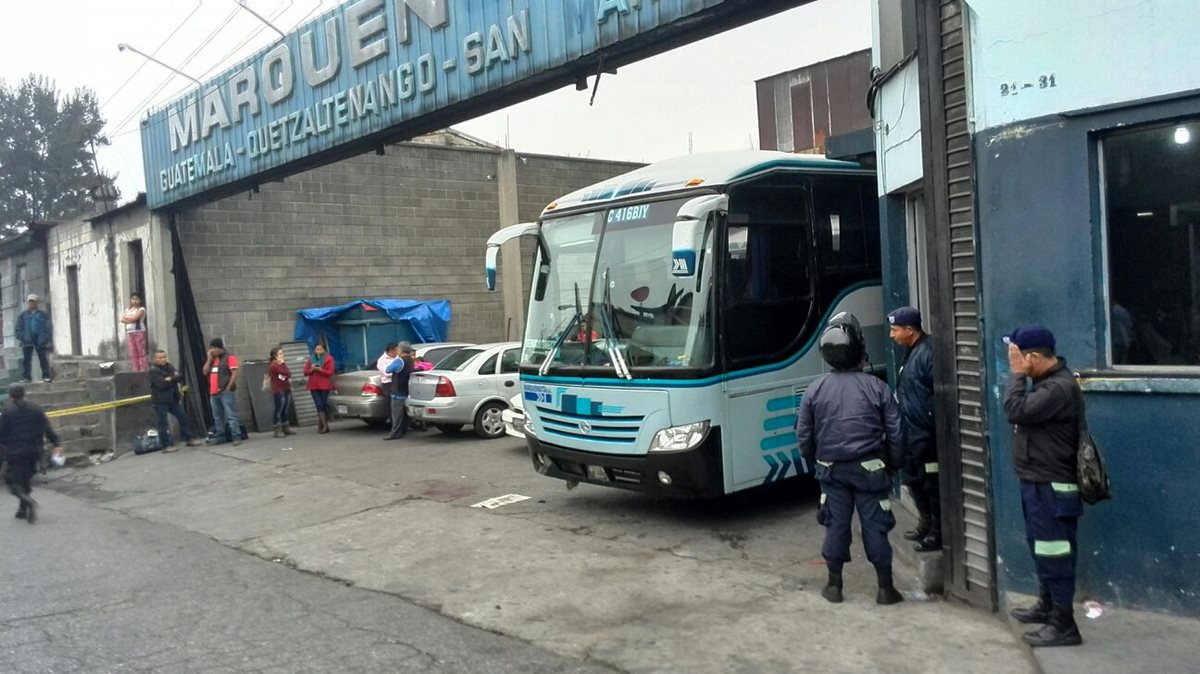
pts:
[222, 369]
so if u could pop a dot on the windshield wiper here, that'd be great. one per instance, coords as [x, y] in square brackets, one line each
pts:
[607, 320]
[562, 336]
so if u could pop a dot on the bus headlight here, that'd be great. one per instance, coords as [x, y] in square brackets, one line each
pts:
[680, 438]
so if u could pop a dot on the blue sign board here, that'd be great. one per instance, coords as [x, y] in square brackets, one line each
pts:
[370, 71]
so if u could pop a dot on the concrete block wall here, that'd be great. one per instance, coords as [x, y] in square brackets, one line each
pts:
[409, 224]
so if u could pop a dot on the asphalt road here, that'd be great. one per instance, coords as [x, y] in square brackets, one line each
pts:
[90, 590]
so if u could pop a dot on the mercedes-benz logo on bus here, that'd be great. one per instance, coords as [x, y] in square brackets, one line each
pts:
[585, 427]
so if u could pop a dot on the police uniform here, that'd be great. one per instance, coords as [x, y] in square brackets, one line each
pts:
[914, 395]
[1045, 413]
[849, 423]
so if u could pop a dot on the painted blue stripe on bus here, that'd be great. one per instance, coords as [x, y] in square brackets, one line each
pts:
[781, 404]
[777, 441]
[708, 381]
[575, 436]
[780, 423]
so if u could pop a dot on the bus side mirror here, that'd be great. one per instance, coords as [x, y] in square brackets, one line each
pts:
[497, 240]
[685, 234]
[489, 267]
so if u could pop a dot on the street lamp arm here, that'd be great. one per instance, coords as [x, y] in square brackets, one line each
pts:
[125, 46]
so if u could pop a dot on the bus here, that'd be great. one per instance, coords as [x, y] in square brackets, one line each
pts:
[674, 313]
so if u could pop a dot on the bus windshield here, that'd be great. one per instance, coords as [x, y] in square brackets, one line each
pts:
[610, 294]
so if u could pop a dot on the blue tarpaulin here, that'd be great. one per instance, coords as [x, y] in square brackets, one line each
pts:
[429, 321]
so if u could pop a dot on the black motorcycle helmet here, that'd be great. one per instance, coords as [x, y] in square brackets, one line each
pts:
[841, 343]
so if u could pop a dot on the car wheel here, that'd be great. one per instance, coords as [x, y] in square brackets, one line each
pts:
[449, 429]
[489, 421]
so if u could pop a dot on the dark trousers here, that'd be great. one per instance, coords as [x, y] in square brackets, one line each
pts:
[321, 400]
[173, 408]
[43, 361]
[399, 418]
[850, 486]
[18, 473]
[280, 417]
[1051, 514]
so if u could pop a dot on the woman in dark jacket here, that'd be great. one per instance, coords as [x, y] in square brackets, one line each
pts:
[319, 370]
[281, 390]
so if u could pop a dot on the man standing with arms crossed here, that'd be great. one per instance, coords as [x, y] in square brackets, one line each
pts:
[1044, 404]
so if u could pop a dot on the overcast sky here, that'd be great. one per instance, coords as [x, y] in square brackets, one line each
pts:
[644, 113]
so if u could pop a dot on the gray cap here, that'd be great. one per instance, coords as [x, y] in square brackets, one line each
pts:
[31, 298]
[405, 347]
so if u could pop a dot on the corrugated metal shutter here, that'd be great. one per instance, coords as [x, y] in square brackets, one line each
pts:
[966, 479]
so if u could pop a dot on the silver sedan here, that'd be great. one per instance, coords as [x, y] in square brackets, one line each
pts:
[359, 395]
[472, 386]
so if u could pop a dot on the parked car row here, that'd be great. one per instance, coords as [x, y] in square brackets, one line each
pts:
[469, 385]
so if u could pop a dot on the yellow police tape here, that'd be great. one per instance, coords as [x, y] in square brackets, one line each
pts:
[100, 407]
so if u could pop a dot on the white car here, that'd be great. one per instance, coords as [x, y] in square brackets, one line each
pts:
[514, 417]
[469, 387]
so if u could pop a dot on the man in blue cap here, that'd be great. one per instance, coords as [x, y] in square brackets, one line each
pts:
[914, 395]
[1044, 403]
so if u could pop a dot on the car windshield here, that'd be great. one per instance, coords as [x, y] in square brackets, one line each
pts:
[457, 361]
[632, 305]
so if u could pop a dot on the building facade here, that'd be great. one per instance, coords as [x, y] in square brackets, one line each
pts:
[410, 222]
[23, 265]
[1052, 176]
[96, 263]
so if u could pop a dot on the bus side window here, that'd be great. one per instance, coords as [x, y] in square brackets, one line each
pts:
[767, 289]
[843, 235]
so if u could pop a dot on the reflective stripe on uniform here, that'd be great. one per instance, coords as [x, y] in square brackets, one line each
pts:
[1064, 487]
[822, 499]
[873, 465]
[827, 464]
[1052, 548]
[931, 467]
[886, 504]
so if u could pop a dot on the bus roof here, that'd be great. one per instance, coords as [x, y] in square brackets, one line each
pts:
[711, 169]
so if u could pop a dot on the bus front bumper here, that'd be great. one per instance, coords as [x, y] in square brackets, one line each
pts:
[694, 473]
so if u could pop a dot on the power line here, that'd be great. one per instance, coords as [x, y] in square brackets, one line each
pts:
[133, 115]
[153, 53]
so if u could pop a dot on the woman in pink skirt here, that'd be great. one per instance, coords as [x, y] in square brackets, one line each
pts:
[134, 319]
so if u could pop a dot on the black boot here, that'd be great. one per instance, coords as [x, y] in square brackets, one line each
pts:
[22, 511]
[1060, 631]
[1039, 613]
[832, 592]
[887, 594]
[930, 543]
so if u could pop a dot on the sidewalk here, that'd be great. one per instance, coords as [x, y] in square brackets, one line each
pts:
[633, 583]
[1120, 642]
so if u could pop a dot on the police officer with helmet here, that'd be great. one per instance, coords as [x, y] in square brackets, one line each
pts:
[849, 423]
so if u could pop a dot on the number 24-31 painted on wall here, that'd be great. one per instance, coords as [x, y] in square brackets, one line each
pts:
[1014, 88]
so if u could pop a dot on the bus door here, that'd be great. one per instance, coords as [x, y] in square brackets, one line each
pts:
[767, 302]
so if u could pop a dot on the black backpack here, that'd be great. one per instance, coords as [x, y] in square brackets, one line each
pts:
[1093, 472]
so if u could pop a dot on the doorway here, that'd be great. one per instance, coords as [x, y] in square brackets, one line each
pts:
[135, 272]
[73, 309]
[916, 241]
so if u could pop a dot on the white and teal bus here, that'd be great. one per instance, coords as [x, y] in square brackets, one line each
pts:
[674, 314]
